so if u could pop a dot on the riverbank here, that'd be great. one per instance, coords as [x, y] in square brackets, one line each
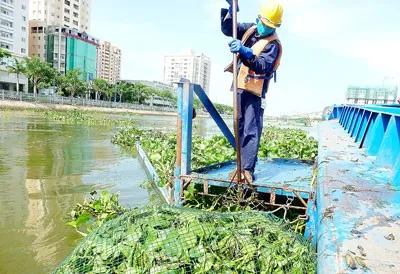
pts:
[8, 104]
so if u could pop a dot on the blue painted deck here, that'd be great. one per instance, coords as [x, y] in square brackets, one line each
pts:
[280, 174]
[357, 204]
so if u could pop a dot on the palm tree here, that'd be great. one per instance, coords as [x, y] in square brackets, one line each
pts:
[17, 68]
[38, 72]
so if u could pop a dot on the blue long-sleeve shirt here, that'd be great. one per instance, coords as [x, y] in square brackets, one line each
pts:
[262, 64]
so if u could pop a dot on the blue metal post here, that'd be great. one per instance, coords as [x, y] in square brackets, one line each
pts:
[214, 114]
[177, 173]
[187, 124]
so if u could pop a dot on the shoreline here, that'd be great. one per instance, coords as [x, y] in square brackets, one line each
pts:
[8, 104]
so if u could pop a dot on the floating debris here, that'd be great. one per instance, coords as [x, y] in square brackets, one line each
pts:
[329, 212]
[390, 237]
[356, 232]
[361, 250]
[350, 188]
[351, 263]
[361, 262]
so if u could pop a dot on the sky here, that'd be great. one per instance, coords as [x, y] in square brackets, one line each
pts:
[327, 45]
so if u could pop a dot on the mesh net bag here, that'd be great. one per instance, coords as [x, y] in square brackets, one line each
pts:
[163, 239]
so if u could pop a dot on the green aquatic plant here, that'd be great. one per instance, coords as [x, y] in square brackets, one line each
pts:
[160, 147]
[162, 239]
[82, 117]
[95, 211]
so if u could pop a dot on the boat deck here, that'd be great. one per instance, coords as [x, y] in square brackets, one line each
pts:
[358, 207]
[279, 175]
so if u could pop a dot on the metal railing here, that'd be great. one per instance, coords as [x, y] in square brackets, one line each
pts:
[59, 100]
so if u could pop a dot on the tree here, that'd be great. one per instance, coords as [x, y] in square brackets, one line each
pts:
[123, 87]
[61, 83]
[100, 86]
[38, 72]
[74, 84]
[139, 93]
[109, 92]
[17, 68]
[4, 53]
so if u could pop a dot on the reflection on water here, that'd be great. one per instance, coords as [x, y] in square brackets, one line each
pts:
[45, 169]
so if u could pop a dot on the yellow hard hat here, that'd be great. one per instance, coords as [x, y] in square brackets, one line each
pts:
[271, 13]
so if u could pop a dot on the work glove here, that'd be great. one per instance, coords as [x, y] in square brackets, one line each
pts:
[230, 6]
[237, 47]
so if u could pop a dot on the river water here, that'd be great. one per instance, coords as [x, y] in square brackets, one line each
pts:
[46, 168]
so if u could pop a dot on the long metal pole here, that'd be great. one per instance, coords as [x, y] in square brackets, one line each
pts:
[235, 96]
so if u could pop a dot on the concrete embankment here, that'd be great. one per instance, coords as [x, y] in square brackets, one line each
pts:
[8, 104]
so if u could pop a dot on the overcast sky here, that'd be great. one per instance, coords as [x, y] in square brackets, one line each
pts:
[327, 44]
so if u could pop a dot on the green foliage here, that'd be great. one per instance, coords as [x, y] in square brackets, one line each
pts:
[224, 109]
[174, 240]
[84, 118]
[18, 68]
[138, 93]
[38, 72]
[61, 83]
[160, 148]
[73, 83]
[287, 143]
[4, 53]
[95, 211]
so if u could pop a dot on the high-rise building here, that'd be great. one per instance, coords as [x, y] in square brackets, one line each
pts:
[72, 50]
[364, 95]
[109, 62]
[195, 67]
[13, 38]
[73, 14]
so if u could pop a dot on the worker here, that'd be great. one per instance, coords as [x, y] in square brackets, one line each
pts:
[259, 52]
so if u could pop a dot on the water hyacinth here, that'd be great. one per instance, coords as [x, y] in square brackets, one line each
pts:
[164, 239]
[160, 147]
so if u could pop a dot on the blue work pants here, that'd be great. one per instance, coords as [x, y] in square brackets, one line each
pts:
[250, 128]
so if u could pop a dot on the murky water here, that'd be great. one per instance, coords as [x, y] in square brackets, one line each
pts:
[46, 168]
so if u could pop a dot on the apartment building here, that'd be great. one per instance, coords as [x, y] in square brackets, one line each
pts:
[72, 50]
[72, 14]
[109, 62]
[195, 67]
[13, 38]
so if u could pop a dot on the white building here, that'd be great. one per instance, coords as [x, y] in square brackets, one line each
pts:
[195, 67]
[73, 14]
[14, 38]
[109, 62]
